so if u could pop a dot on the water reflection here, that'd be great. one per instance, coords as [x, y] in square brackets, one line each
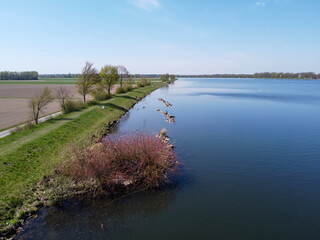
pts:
[289, 98]
[255, 166]
[96, 217]
[91, 219]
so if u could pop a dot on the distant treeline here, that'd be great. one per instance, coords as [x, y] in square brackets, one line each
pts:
[31, 75]
[303, 75]
[67, 75]
[278, 75]
[76, 75]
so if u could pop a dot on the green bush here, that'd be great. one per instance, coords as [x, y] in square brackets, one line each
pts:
[120, 90]
[128, 88]
[143, 82]
[92, 102]
[72, 106]
[103, 95]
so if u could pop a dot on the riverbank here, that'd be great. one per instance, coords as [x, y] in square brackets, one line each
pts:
[27, 156]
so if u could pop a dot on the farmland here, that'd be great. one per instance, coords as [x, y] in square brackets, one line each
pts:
[64, 81]
[14, 99]
[15, 96]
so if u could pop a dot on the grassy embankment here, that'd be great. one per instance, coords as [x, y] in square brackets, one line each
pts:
[27, 156]
[70, 81]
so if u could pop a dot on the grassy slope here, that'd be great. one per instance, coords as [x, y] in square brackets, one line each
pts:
[17, 139]
[29, 155]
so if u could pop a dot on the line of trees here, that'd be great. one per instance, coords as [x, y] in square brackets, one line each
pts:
[124, 74]
[30, 75]
[168, 78]
[303, 75]
[90, 80]
[278, 75]
[68, 75]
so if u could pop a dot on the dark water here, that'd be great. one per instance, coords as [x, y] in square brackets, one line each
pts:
[250, 150]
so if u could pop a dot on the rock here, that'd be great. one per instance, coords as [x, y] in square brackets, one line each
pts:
[166, 103]
[163, 132]
[127, 182]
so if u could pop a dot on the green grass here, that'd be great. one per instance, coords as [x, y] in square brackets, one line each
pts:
[15, 140]
[27, 156]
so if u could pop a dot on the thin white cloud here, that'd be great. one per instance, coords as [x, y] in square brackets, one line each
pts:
[264, 3]
[261, 4]
[282, 1]
[146, 4]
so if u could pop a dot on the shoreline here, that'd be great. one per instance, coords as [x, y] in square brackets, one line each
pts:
[128, 100]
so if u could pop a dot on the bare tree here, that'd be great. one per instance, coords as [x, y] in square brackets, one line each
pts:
[38, 104]
[63, 95]
[86, 80]
[123, 74]
[130, 80]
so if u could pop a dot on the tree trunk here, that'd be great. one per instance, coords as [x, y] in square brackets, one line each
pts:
[36, 118]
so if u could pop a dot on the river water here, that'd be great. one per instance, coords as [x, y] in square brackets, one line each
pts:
[250, 150]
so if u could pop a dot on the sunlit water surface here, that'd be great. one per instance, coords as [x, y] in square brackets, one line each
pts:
[251, 169]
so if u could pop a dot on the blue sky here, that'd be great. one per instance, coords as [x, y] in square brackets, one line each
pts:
[158, 36]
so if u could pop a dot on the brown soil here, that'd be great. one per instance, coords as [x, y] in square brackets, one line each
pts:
[14, 99]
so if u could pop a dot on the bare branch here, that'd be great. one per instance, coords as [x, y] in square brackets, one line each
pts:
[63, 94]
[123, 74]
[38, 103]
